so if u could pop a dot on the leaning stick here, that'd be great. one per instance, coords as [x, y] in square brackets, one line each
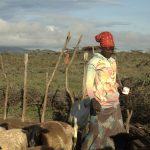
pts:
[69, 92]
[67, 68]
[51, 78]
[6, 91]
[129, 115]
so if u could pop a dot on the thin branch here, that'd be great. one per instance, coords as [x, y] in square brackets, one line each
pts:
[51, 78]
[67, 68]
[129, 115]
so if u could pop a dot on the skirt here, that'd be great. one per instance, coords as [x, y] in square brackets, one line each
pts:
[108, 122]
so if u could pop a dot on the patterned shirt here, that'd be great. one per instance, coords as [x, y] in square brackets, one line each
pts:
[101, 80]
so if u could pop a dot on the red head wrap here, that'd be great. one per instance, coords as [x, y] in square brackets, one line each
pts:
[105, 39]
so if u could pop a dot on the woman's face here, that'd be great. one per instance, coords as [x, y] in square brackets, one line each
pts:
[107, 53]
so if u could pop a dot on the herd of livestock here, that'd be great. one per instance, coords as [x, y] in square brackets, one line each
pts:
[45, 136]
[51, 135]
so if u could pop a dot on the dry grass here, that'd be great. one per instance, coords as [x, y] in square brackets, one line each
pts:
[133, 67]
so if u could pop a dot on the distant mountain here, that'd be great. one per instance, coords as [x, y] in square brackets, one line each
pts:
[12, 49]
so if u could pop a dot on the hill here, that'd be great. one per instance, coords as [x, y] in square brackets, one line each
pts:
[12, 49]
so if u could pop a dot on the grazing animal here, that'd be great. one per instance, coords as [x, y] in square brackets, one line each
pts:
[20, 139]
[13, 139]
[40, 148]
[123, 141]
[2, 129]
[33, 133]
[53, 134]
[3, 126]
[145, 148]
[59, 135]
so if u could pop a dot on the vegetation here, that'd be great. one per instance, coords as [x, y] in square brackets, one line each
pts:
[133, 69]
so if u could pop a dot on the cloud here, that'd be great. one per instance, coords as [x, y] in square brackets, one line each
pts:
[51, 28]
[18, 9]
[38, 35]
[110, 2]
[132, 41]
[52, 36]
[44, 24]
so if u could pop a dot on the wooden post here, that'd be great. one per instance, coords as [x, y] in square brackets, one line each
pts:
[6, 91]
[67, 68]
[51, 78]
[25, 87]
[84, 74]
[46, 78]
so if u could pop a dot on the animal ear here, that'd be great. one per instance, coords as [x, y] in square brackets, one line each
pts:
[25, 130]
[45, 130]
[133, 137]
[4, 125]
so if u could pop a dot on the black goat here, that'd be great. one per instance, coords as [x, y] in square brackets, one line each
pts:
[123, 141]
[4, 126]
[34, 135]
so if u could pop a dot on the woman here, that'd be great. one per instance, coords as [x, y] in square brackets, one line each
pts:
[102, 88]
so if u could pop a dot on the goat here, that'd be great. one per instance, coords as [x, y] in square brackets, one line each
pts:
[123, 141]
[3, 126]
[33, 133]
[43, 147]
[13, 139]
[59, 135]
[53, 134]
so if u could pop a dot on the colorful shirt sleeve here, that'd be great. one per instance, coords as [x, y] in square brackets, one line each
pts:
[90, 78]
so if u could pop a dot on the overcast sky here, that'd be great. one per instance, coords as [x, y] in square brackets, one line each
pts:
[45, 23]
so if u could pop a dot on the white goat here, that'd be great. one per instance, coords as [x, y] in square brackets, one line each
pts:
[2, 129]
[13, 139]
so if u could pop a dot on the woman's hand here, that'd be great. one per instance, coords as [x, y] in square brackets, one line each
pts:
[96, 105]
[120, 88]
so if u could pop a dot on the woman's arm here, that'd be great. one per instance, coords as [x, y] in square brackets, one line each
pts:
[90, 78]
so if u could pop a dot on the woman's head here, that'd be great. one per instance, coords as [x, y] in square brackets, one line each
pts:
[107, 52]
[106, 43]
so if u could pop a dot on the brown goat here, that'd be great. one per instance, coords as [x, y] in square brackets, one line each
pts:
[59, 135]
[40, 148]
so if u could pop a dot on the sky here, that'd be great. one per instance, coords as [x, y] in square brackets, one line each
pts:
[44, 24]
